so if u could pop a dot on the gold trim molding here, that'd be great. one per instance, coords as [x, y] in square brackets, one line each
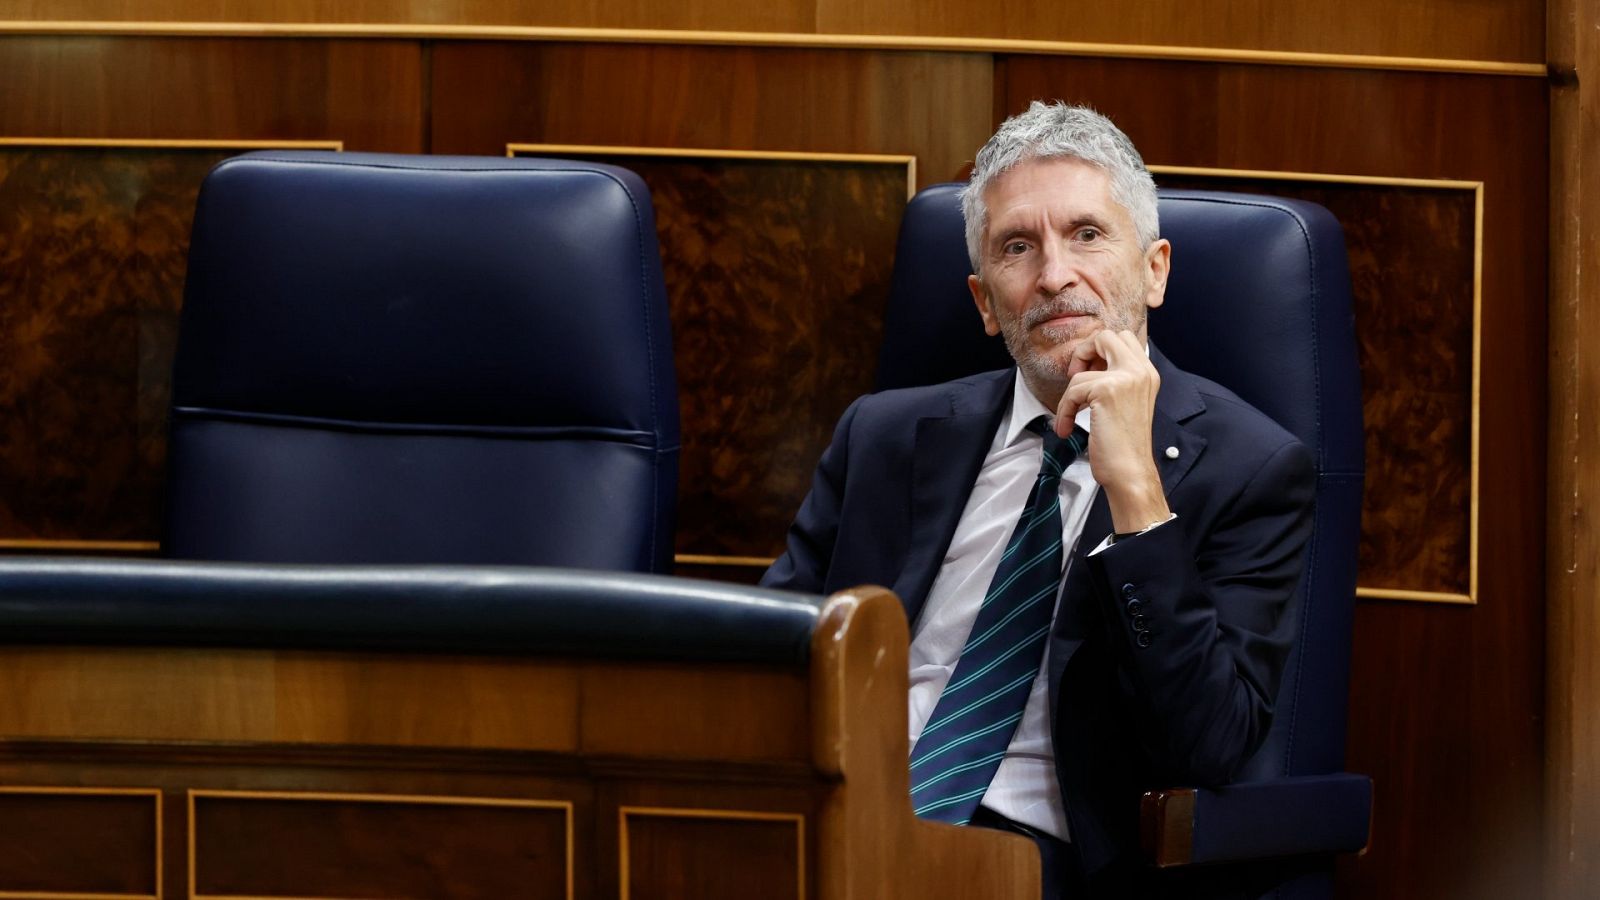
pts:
[1476, 187]
[772, 39]
[168, 144]
[910, 162]
[397, 799]
[732, 815]
[152, 793]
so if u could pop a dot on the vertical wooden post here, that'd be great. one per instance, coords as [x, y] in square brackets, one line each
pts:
[1572, 736]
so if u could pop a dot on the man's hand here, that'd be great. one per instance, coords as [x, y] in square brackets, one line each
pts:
[1110, 373]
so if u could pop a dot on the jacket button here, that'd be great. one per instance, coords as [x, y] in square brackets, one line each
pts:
[1134, 607]
[1143, 639]
[1141, 623]
[1127, 590]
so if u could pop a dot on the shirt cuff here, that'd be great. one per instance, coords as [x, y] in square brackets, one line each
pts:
[1112, 538]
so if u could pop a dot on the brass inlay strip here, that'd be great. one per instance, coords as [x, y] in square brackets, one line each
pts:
[1476, 391]
[170, 143]
[713, 559]
[735, 815]
[557, 34]
[99, 546]
[398, 799]
[152, 793]
[910, 162]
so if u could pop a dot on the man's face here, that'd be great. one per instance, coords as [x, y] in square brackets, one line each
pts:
[1061, 260]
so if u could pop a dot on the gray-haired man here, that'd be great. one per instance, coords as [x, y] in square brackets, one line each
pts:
[1145, 637]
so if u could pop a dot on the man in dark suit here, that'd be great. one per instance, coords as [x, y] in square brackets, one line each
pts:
[1155, 655]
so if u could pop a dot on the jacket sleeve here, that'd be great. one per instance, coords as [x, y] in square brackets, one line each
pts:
[1197, 625]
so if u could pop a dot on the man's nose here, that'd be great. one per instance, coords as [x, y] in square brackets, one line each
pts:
[1059, 271]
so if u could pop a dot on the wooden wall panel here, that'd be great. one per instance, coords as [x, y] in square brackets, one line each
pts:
[711, 855]
[61, 841]
[345, 845]
[1511, 30]
[1412, 271]
[777, 271]
[92, 254]
[366, 94]
[1446, 701]
[933, 106]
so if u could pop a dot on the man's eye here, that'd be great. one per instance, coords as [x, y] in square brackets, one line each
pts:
[1088, 234]
[1015, 247]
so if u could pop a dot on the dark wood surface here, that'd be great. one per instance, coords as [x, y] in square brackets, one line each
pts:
[364, 93]
[363, 847]
[724, 857]
[934, 106]
[91, 280]
[67, 842]
[1572, 750]
[1510, 30]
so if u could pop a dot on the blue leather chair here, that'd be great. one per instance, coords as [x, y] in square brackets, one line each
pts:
[420, 359]
[1248, 273]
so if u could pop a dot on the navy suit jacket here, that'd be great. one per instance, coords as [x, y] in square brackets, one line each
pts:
[1185, 706]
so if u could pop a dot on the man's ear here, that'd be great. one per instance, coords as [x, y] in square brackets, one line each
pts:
[980, 296]
[1158, 262]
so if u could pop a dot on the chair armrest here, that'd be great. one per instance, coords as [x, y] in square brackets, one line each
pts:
[1257, 820]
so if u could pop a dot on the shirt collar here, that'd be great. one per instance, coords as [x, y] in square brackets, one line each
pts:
[1025, 407]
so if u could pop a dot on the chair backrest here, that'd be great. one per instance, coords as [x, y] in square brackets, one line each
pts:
[389, 358]
[1249, 274]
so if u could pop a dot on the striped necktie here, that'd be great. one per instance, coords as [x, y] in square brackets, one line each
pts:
[972, 724]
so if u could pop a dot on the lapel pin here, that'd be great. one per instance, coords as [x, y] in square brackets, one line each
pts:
[1172, 453]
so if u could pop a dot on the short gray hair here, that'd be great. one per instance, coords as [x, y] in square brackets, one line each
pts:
[1051, 130]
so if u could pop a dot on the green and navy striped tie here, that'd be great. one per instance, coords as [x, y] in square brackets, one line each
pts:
[972, 724]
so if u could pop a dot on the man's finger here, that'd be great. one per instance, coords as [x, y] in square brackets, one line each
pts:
[1086, 357]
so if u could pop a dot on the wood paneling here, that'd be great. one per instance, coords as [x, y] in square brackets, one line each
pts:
[1500, 31]
[706, 855]
[1445, 702]
[352, 846]
[251, 695]
[80, 842]
[933, 106]
[1572, 781]
[1412, 272]
[671, 711]
[1511, 30]
[364, 93]
[777, 272]
[92, 252]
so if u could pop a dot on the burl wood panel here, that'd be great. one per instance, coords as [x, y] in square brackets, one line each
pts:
[362, 848]
[77, 843]
[1411, 272]
[671, 857]
[92, 256]
[777, 272]
[1445, 701]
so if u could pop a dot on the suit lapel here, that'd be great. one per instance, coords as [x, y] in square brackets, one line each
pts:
[948, 453]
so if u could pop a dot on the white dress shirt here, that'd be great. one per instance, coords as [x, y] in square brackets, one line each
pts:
[1025, 788]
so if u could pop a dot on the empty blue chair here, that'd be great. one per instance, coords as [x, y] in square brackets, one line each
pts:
[420, 359]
